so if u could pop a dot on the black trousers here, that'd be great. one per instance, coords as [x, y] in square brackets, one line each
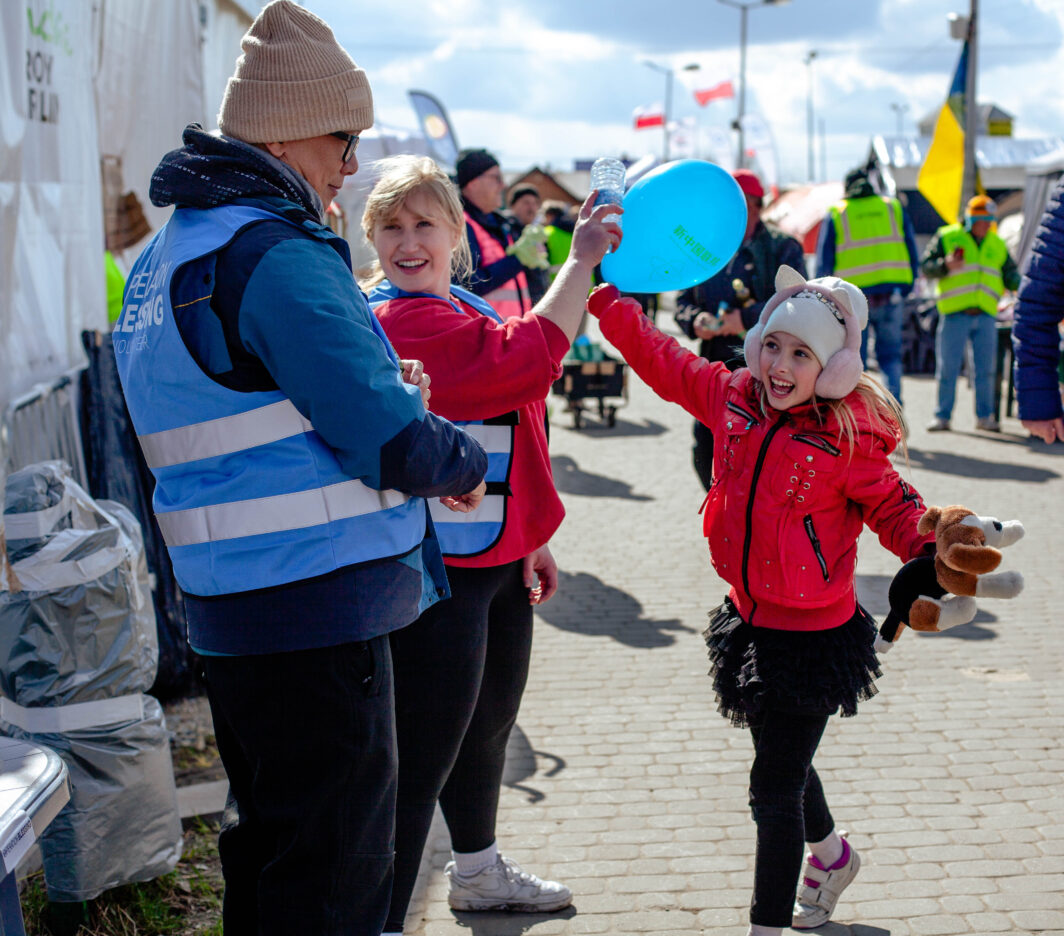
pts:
[460, 672]
[308, 744]
[788, 805]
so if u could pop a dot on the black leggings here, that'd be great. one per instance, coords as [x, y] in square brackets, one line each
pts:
[460, 671]
[788, 805]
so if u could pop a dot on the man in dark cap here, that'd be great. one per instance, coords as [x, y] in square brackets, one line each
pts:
[868, 240]
[294, 515]
[720, 310]
[501, 257]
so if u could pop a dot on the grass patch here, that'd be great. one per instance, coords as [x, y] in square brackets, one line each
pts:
[185, 902]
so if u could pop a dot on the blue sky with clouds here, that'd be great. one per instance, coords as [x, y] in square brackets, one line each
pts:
[541, 82]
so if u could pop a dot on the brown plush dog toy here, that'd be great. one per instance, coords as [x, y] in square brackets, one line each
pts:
[935, 594]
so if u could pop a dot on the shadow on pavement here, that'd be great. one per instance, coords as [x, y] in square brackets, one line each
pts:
[594, 428]
[522, 763]
[587, 605]
[872, 594]
[570, 478]
[487, 923]
[967, 467]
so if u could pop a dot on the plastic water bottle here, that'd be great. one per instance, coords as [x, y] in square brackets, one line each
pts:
[607, 175]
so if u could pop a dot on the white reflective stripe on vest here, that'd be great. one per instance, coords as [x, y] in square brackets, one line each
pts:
[880, 265]
[957, 291]
[492, 438]
[58, 719]
[490, 510]
[273, 514]
[224, 435]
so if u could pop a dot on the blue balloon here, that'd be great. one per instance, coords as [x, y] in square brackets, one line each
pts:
[683, 222]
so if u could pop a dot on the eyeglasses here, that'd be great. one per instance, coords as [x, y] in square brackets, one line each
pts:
[351, 139]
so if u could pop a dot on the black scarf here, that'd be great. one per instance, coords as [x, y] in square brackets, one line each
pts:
[213, 170]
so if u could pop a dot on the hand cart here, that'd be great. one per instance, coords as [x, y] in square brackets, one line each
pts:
[593, 380]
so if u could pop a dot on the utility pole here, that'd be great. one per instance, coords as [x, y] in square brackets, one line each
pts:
[809, 56]
[971, 106]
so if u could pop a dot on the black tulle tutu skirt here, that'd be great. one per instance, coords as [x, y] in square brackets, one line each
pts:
[815, 672]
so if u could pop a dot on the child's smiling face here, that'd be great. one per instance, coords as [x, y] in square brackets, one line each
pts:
[789, 370]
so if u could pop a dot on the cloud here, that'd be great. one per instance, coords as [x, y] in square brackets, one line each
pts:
[547, 81]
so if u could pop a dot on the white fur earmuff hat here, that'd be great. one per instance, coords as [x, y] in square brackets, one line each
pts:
[828, 315]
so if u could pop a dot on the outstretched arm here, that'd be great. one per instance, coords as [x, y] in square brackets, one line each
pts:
[596, 232]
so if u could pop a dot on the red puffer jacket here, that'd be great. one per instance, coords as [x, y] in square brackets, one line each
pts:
[788, 501]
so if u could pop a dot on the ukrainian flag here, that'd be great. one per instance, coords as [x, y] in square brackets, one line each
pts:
[942, 174]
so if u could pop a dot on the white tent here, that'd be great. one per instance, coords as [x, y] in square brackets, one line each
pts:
[1042, 175]
[83, 81]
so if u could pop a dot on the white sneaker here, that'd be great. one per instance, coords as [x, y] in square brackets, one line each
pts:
[505, 886]
[815, 905]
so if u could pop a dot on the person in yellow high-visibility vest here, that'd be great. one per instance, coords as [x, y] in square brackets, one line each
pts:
[868, 240]
[972, 269]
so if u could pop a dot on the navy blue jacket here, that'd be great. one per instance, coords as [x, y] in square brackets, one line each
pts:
[1035, 338]
[276, 326]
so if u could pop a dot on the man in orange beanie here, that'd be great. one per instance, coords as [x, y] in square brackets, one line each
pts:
[971, 266]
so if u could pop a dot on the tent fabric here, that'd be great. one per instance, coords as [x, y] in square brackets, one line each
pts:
[1042, 176]
[51, 254]
[800, 210]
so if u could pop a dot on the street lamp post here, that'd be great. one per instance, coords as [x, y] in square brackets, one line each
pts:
[744, 6]
[809, 56]
[667, 72]
[899, 110]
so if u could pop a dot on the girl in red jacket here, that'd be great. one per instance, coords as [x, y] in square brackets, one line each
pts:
[461, 668]
[801, 463]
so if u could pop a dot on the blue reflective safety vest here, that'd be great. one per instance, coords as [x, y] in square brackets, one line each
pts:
[473, 533]
[247, 495]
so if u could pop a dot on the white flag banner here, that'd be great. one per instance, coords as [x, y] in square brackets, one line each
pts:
[683, 138]
[720, 147]
[757, 137]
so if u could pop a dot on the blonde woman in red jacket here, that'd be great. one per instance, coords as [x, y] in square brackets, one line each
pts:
[801, 464]
[461, 668]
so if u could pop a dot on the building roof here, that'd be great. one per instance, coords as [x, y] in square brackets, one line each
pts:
[1002, 160]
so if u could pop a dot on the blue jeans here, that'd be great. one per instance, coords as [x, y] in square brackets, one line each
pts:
[954, 332]
[885, 315]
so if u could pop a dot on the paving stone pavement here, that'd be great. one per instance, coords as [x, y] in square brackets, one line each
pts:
[625, 783]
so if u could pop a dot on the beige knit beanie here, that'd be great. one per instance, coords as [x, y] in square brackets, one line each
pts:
[294, 81]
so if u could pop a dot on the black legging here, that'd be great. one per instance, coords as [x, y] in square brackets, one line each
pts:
[789, 808]
[460, 671]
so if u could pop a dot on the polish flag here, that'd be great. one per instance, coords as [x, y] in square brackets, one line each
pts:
[646, 117]
[722, 89]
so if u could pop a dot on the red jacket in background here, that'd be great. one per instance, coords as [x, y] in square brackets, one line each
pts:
[480, 369]
[788, 502]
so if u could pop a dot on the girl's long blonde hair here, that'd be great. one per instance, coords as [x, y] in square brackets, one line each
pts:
[399, 177]
[884, 412]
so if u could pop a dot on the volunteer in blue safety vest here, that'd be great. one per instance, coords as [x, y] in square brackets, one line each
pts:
[868, 240]
[971, 266]
[293, 454]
